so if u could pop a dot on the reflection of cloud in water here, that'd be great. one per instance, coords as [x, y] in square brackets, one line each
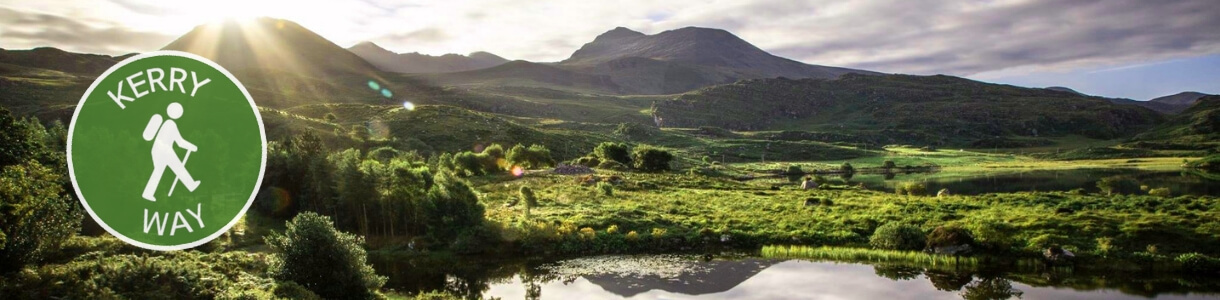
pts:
[792, 280]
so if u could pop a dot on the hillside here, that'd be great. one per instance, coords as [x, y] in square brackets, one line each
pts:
[1198, 127]
[388, 61]
[524, 73]
[932, 109]
[622, 61]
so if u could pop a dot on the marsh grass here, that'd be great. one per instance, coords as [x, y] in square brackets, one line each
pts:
[871, 256]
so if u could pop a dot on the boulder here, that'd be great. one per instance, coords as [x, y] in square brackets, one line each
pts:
[809, 185]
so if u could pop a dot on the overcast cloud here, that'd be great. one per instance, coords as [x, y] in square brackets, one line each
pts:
[974, 38]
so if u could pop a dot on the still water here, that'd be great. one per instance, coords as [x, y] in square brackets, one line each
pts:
[974, 183]
[691, 277]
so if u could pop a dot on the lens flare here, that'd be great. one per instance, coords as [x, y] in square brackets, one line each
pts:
[518, 171]
[378, 129]
[282, 200]
[408, 105]
[373, 85]
[386, 93]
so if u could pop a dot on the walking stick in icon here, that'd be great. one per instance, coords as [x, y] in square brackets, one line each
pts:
[176, 180]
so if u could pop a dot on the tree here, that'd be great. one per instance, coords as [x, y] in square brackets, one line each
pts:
[889, 164]
[651, 159]
[846, 168]
[528, 199]
[613, 151]
[897, 236]
[452, 207]
[535, 156]
[35, 215]
[331, 263]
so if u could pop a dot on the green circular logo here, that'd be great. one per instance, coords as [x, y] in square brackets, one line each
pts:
[166, 150]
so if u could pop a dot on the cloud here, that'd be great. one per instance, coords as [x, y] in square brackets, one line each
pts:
[972, 38]
[24, 29]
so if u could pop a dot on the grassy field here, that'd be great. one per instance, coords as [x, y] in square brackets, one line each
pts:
[752, 214]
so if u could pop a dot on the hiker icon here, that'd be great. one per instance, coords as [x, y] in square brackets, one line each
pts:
[164, 136]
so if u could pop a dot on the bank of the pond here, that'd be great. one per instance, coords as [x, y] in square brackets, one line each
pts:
[650, 213]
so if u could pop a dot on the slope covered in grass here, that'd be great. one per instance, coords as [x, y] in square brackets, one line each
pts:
[954, 110]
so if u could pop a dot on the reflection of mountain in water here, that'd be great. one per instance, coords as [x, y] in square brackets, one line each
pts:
[711, 277]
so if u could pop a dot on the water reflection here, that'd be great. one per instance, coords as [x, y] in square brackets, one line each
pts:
[664, 277]
[1180, 183]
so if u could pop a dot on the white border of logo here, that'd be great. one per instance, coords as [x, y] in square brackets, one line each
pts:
[262, 133]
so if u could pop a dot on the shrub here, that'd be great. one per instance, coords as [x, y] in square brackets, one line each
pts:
[911, 188]
[846, 168]
[613, 165]
[536, 156]
[889, 164]
[1118, 185]
[1161, 192]
[651, 159]
[632, 236]
[1196, 263]
[35, 216]
[794, 170]
[605, 188]
[527, 195]
[897, 236]
[330, 117]
[950, 235]
[328, 262]
[588, 161]
[613, 151]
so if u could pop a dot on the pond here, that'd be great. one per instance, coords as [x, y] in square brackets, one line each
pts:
[974, 183]
[692, 277]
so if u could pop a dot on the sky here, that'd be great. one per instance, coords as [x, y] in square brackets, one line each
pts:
[1116, 48]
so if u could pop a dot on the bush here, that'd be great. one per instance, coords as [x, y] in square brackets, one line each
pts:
[897, 236]
[35, 216]
[911, 188]
[846, 168]
[328, 262]
[536, 156]
[951, 235]
[1161, 192]
[588, 161]
[651, 159]
[1196, 263]
[889, 164]
[1118, 185]
[613, 165]
[613, 151]
[527, 196]
[176, 275]
[605, 188]
[794, 170]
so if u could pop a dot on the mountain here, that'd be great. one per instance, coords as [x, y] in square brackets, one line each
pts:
[1166, 105]
[269, 44]
[1063, 89]
[1184, 99]
[524, 73]
[59, 60]
[1196, 128]
[421, 63]
[941, 110]
[669, 62]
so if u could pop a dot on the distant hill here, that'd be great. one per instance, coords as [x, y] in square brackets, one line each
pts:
[1063, 89]
[669, 62]
[1185, 99]
[1198, 127]
[1172, 104]
[932, 109]
[524, 73]
[421, 63]
[59, 60]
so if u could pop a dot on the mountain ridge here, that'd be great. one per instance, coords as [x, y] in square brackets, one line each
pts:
[415, 62]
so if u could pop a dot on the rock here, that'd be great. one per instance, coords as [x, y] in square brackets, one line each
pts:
[952, 250]
[565, 169]
[812, 202]
[809, 185]
[943, 193]
[1057, 254]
